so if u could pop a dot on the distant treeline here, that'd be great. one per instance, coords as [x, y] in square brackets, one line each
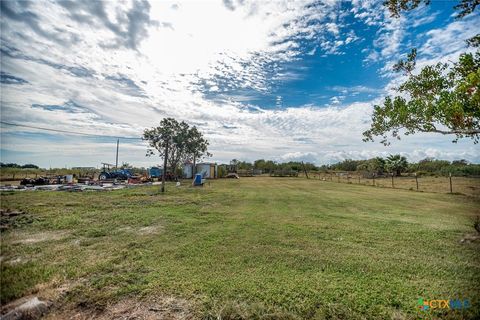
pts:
[269, 166]
[396, 164]
[14, 165]
[427, 166]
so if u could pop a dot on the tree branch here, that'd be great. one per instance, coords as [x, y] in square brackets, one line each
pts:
[458, 131]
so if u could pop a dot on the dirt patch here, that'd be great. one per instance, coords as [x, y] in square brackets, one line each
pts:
[157, 308]
[153, 229]
[125, 229]
[150, 230]
[16, 260]
[470, 238]
[36, 304]
[40, 237]
[14, 218]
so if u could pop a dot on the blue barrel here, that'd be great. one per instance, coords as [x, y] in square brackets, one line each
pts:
[198, 180]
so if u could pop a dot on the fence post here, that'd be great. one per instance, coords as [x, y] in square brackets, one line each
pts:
[416, 180]
[393, 186]
[304, 170]
[450, 178]
[358, 179]
[374, 179]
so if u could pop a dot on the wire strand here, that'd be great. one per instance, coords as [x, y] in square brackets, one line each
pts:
[68, 132]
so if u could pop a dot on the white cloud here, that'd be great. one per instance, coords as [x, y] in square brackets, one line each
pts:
[451, 38]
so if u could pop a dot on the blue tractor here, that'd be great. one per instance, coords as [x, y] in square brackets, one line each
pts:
[108, 174]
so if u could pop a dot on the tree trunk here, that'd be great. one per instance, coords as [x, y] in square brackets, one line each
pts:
[164, 173]
[193, 168]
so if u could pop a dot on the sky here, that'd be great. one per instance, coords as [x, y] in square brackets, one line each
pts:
[280, 80]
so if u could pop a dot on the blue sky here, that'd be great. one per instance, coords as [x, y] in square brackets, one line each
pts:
[280, 80]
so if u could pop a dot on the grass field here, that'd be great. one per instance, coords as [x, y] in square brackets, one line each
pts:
[254, 248]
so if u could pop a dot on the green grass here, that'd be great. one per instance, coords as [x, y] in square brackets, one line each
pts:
[251, 248]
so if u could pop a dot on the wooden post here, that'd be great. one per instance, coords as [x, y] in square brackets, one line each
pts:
[393, 186]
[374, 179]
[358, 179]
[164, 166]
[416, 180]
[450, 178]
[305, 170]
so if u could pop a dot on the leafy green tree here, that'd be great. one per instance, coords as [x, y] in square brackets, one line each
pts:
[179, 147]
[270, 166]
[461, 162]
[161, 139]
[244, 165]
[442, 98]
[196, 147]
[375, 166]
[346, 165]
[175, 142]
[259, 164]
[429, 165]
[396, 164]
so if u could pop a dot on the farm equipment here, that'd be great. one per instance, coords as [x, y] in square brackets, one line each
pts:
[108, 174]
[35, 182]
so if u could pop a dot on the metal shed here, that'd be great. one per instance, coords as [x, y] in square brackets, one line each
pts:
[207, 170]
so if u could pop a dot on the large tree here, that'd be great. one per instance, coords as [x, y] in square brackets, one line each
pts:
[178, 149]
[196, 147]
[175, 142]
[160, 139]
[442, 98]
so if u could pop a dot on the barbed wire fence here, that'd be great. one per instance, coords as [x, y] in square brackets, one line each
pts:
[414, 182]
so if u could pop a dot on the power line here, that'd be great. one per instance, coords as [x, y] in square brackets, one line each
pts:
[68, 132]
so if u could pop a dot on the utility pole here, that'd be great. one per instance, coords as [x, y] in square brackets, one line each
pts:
[116, 159]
